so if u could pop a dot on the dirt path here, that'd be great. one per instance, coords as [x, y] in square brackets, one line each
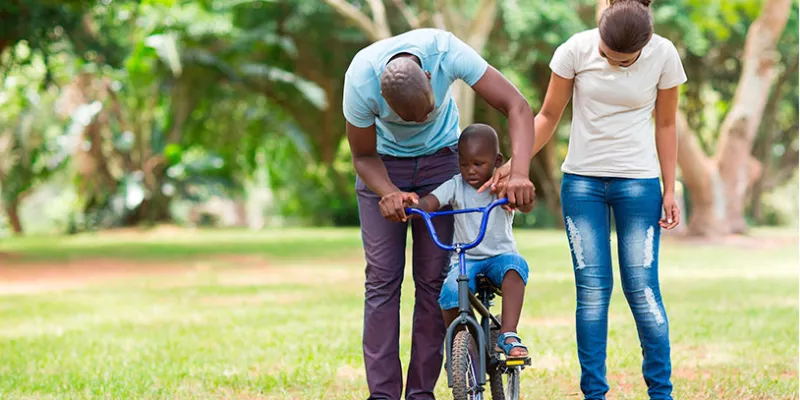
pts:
[21, 278]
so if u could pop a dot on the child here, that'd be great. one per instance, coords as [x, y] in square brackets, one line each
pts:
[496, 256]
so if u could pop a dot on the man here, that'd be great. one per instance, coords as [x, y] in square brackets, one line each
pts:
[402, 126]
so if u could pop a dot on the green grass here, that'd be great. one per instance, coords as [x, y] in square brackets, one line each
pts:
[177, 245]
[289, 327]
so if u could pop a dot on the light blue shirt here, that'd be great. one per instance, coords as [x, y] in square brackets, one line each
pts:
[442, 54]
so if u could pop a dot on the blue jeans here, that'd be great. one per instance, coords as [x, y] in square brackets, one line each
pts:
[587, 204]
[495, 268]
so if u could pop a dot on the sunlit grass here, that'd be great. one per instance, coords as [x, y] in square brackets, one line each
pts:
[286, 323]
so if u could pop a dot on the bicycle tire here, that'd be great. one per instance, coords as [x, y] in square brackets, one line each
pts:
[495, 375]
[464, 365]
[512, 384]
[509, 391]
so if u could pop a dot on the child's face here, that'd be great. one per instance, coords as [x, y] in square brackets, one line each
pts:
[477, 163]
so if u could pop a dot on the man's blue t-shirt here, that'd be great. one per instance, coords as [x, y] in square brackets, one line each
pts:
[442, 54]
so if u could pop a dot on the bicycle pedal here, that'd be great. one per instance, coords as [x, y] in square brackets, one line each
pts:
[517, 362]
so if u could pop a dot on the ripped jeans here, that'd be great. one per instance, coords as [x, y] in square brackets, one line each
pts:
[587, 204]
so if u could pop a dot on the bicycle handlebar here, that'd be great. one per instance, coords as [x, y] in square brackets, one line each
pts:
[462, 246]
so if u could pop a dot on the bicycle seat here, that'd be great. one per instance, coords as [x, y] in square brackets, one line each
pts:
[485, 283]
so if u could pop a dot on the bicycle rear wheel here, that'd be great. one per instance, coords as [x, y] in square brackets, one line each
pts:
[503, 381]
[465, 368]
[505, 384]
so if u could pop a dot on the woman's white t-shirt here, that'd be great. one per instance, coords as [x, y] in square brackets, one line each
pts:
[613, 133]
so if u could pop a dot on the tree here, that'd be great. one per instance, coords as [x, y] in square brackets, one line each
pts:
[30, 150]
[718, 185]
[471, 22]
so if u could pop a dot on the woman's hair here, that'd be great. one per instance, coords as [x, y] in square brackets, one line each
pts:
[626, 25]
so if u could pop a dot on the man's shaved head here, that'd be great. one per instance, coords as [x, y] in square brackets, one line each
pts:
[407, 89]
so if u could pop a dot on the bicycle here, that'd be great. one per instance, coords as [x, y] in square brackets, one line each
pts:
[464, 376]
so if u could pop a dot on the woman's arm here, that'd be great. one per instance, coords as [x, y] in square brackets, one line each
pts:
[559, 91]
[667, 147]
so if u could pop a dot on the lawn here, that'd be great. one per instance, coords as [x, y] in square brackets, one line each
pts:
[175, 314]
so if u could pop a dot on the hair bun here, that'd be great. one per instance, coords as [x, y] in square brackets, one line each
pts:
[645, 3]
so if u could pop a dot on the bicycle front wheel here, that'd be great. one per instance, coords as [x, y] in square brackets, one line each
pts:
[465, 368]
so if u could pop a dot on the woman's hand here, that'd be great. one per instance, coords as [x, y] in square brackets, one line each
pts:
[672, 214]
[499, 181]
[502, 181]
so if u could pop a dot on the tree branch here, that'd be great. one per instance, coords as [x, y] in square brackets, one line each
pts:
[601, 6]
[370, 28]
[438, 21]
[692, 160]
[481, 24]
[412, 19]
[379, 18]
[452, 22]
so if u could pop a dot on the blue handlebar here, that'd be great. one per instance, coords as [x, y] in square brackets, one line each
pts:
[462, 246]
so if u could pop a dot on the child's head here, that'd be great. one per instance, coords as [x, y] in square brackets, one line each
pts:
[478, 154]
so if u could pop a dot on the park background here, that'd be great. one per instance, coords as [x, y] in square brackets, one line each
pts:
[179, 220]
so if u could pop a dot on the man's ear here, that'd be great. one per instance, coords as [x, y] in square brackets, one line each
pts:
[498, 161]
[428, 74]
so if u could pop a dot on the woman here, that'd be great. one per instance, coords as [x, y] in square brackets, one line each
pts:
[619, 76]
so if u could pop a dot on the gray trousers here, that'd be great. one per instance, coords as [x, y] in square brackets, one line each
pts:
[385, 251]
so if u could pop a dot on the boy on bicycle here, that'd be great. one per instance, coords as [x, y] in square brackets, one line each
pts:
[496, 256]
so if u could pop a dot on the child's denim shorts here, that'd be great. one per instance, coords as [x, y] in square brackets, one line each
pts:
[495, 268]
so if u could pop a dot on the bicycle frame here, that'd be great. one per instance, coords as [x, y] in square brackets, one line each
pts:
[466, 300]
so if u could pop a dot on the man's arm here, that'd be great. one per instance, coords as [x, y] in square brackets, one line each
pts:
[368, 165]
[370, 168]
[503, 96]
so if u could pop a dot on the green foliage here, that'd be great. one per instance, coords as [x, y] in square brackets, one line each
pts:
[200, 95]
[32, 145]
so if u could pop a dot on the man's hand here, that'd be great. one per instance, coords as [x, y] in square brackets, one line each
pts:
[520, 192]
[393, 205]
[672, 214]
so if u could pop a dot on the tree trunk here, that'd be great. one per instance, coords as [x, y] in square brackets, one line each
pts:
[12, 212]
[475, 32]
[741, 124]
[465, 101]
[700, 175]
[718, 187]
[766, 141]
[548, 189]
[601, 6]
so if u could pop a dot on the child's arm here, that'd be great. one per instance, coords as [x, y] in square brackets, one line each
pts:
[428, 203]
[439, 197]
